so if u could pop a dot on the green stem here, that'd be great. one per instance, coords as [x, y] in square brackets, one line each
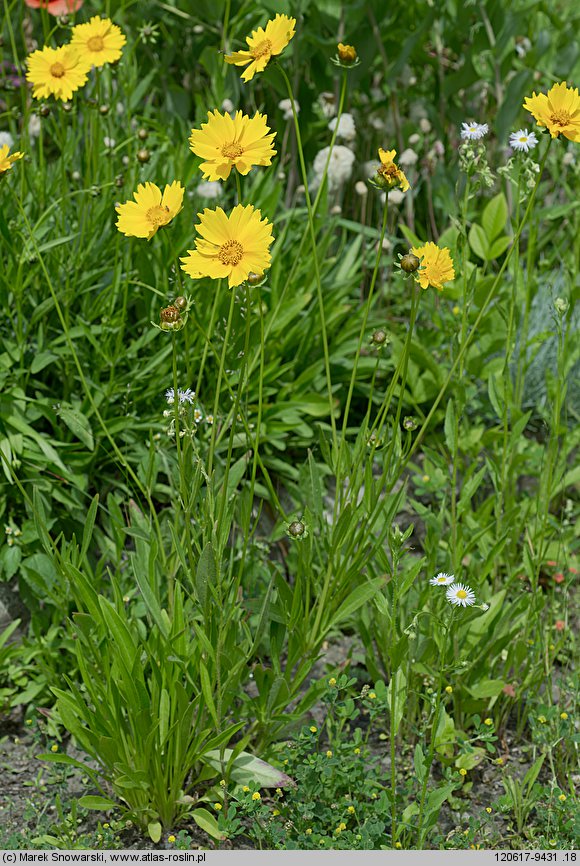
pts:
[219, 382]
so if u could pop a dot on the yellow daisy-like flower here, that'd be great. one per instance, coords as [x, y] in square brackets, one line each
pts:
[558, 110]
[7, 161]
[225, 143]
[436, 267]
[231, 246]
[390, 175]
[263, 45]
[151, 210]
[99, 41]
[56, 72]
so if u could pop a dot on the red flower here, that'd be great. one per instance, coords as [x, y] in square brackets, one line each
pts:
[508, 689]
[559, 625]
[551, 562]
[55, 7]
[559, 577]
[573, 570]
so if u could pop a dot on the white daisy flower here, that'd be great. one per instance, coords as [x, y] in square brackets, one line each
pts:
[460, 595]
[473, 131]
[523, 140]
[187, 396]
[442, 579]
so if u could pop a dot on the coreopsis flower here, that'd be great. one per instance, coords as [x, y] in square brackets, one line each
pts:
[226, 142]
[389, 174]
[231, 246]
[473, 131]
[55, 7]
[442, 579]
[436, 266]
[56, 72]
[460, 595]
[99, 41]
[263, 44]
[523, 140]
[151, 209]
[558, 110]
[6, 160]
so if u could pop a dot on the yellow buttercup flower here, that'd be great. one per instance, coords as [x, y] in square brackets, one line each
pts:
[436, 266]
[226, 142]
[263, 44]
[389, 173]
[346, 53]
[231, 246]
[6, 161]
[56, 72]
[150, 211]
[99, 41]
[558, 110]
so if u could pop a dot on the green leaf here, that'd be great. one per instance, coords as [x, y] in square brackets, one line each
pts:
[399, 681]
[419, 763]
[499, 246]
[42, 360]
[207, 692]
[450, 426]
[93, 802]
[154, 829]
[487, 688]
[478, 242]
[246, 768]
[494, 217]
[206, 573]
[89, 525]
[78, 425]
[356, 599]
[206, 821]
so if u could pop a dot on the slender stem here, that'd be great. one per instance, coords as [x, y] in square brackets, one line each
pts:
[219, 381]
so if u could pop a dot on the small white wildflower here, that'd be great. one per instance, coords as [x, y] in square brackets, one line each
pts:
[109, 142]
[408, 158]
[198, 28]
[346, 127]
[327, 102]
[568, 158]
[523, 140]
[460, 595]
[197, 416]
[120, 108]
[34, 126]
[424, 125]
[209, 419]
[442, 579]
[396, 196]
[378, 123]
[227, 105]
[6, 138]
[187, 396]
[473, 131]
[339, 166]
[336, 210]
[414, 139]
[361, 188]
[285, 105]
[125, 160]
[209, 189]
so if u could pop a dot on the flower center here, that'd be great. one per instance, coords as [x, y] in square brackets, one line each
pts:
[95, 43]
[231, 253]
[442, 579]
[561, 118]
[57, 70]
[461, 593]
[523, 138]
[261, 48]
[232, 150]
[159, 215]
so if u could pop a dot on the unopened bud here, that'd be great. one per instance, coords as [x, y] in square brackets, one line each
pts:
[410, 263]
[143, 155]
[143, 134]
[296, 528]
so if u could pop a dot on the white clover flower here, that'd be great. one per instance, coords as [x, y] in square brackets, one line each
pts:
[109, 142]
[523, 140]
[34, 126]
[414, 139]
[327, 102]
[346, 127]
[424, 125]
[442, 579]
[339, 166]
[460, 595]
[227, 105]
[6, 138]
[473, 131]
[209, 189]
[187, 396]
[285, 105]
[408, 158]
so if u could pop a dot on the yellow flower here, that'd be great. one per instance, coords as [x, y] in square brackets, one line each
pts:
[398, 845]
[488, 810]
[231, 246]
[313, 729]
[263, 45]
[357, 751]
[564, 716]
[346, 53]
[225, 143]
[245, 789]
[436, 267]
[558, 110]
[308, 831]
[463, 772]
[562, 798]
[389, 173]
[171, 838]
[449, 689]
[57, 72]
[7, 161]
[150, 210]
[54, 748]
[99, 41]
[218, 807]
[488, 722]
[332, 681]
[329, 754]
[350, 809]
[256, 795]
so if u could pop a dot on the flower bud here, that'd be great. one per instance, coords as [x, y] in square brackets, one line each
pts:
[143, 134]
[181, 303]
[104, 110]
[379, 337]
[143, 155]
[410, 263]
[346, 53]
[44, 110]
[255, 279]
[409, 423]
[296, 528]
